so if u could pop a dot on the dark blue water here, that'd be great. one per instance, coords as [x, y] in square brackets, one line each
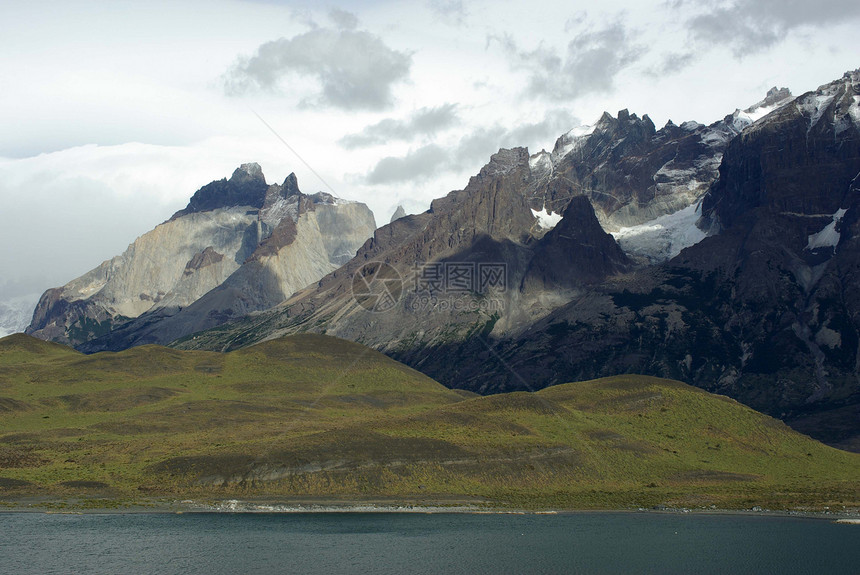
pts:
[215, 543]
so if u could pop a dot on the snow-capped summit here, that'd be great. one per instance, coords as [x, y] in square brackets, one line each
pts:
[571, 140]
[839, 99]
[253, 169]
[775, 99]
[826, 121]
[540, 164]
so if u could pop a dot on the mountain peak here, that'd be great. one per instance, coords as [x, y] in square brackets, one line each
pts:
[505, 161]
[626, 121]
[291, 185]
[398, 213]
[775, 97]
[849, 77]
[576, 251]
[251, 170]
[246, 187]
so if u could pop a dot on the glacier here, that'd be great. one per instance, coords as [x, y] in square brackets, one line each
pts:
[546, 219]
[662, 238]
[827, 237]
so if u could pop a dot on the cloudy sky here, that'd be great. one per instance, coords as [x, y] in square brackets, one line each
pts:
[114, 113]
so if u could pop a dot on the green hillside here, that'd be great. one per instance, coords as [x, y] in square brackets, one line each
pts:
[311, 417]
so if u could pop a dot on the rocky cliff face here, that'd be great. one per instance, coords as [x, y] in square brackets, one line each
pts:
[575, 252]
[619, 172]
[765, 309]
[800, 161]
[240, 229]
[488, 227]
[631, 172]
[265, 240]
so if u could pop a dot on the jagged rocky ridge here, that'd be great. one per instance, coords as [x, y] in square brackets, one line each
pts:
[765, 309]
[241, 245]
[619, 171]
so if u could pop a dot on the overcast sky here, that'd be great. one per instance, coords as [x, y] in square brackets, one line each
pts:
[114, 113]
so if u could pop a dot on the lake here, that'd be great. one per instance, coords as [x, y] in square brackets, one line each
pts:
[215, 543]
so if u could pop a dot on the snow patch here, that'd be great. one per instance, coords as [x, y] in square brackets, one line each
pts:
[718, 138]
[540, 162]
[280, 209]
[828, 237]
[742, 119]
[663, 238]
[854, 110]
[546, 219]
[753, 116]
[573, 140]
[581, 131]
[815, 105]
[668, 173]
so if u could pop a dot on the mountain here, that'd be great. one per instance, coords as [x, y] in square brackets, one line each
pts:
[241, 245]
[631, 172]
[16, 313]
[486, 262]
[398, 213]
[758, 300]
[764, 311]
[311, 417]
[508, 216]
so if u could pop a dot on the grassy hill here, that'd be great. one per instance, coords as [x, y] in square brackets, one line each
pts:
[313, 417]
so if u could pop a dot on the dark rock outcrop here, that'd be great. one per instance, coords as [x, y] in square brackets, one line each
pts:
[631, 172]
[575, 252]
[801, 161]
[246, 187]
[203, 259]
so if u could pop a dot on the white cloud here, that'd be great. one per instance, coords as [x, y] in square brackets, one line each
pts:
[112, 74]
[355, 69]
[592, 61]
[423, 122]
[416, 165]
[469, 153]
[449, 11]
[342, 19]
[66, 212]
[749, 26]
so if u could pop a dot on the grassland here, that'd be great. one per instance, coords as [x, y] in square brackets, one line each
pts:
[310, 417]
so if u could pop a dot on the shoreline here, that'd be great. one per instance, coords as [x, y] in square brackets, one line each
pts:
[250, 507]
